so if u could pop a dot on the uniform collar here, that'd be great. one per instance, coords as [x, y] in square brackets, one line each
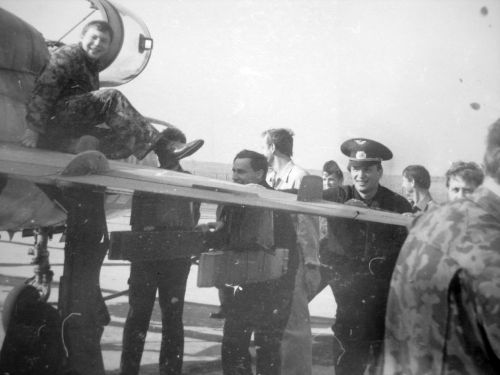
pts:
[370, 201]
[422, 204]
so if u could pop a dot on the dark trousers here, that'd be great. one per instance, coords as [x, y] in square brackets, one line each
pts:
[127, 131]
[261, 308]
[360, 320]
[80, 300]
[169, 278]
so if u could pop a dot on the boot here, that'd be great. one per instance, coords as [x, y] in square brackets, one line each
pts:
[181, 150]
[169, 151]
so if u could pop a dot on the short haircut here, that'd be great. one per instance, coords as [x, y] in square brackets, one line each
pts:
[491, 156]
[468, 171]
[419, 175]
[282, 139]
[332, 168]
[100, 25]
[258, 162]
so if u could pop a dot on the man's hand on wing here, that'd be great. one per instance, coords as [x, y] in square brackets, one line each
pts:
[30, 138]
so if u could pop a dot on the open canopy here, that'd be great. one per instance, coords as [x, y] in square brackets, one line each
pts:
[131, 47]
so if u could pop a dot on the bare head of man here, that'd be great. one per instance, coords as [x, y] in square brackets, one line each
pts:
[96, 39]
[462, 179]
[249, 167]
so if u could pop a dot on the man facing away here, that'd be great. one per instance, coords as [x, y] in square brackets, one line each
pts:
[416, 184]
[362, 256]
[444, 301]
[156, 212]
[67, 110]
[462, 178]
[286, 175]
[261, 308]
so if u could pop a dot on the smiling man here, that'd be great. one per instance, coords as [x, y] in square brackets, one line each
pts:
[67, 110]
[362, 257]
[261, 308]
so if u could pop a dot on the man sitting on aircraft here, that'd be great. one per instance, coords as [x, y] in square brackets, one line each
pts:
[362, 256]
[156, 212]
[67, 110]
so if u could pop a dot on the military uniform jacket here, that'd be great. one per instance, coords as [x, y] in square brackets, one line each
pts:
[443, 313]
[69, 72]
[361, 241]
[152, 211]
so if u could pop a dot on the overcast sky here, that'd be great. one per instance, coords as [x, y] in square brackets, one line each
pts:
[403, 72]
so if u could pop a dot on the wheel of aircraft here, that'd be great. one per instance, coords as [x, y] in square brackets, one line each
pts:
[18, 293]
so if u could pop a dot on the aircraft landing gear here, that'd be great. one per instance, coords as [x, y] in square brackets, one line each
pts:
[40, 281]
[43, 275]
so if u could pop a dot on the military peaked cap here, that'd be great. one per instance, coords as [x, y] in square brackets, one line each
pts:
[363, 151]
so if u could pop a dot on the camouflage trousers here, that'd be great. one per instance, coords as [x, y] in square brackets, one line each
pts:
[105, 114]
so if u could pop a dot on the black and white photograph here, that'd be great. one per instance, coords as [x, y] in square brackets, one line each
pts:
[250, 187]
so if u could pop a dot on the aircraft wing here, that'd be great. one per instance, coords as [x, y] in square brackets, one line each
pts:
[45, 168]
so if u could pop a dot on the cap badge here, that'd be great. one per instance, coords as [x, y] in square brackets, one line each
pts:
[360, 141]
[360, 155]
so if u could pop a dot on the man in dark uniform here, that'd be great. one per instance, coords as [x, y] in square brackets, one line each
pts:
[66, 110]
[262, 308]
[155, 212]
[362, 256]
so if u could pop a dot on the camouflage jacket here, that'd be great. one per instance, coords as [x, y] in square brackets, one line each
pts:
[69, 72]
[443, 313]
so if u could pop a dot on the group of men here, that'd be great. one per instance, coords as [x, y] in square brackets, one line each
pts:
[435, 302]
[462, 179]
[361, 256]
